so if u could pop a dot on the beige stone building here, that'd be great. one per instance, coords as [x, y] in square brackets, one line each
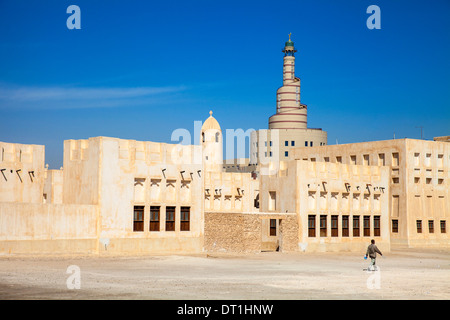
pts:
[125, 196]
[22, 172]
[146, 192]
[118, 196]
[239, 165]
[32, 216]
[419, 208]
[331, 216]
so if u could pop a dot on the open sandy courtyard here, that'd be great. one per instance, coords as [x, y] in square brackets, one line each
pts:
[406, 274]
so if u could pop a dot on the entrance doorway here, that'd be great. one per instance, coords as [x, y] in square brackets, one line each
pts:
[271, 235]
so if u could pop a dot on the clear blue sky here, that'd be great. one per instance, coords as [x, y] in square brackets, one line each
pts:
[141, 69]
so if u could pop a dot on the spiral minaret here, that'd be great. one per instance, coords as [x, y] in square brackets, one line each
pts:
[291, 113]
[288, 127]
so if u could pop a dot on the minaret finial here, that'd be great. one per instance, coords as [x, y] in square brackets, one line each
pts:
[210, 113]
[290, 36]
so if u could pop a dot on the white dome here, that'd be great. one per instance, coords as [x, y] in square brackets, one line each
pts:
[211, 123]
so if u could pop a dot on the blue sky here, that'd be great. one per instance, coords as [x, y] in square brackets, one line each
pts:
[141, 69]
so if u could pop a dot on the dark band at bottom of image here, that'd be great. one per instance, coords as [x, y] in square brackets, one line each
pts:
[254, 308]
[229, 308]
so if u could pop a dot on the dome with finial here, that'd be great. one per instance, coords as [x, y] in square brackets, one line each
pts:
[211, 123]
[289, 43]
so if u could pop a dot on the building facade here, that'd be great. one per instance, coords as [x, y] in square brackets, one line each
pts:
[294, 194]
[288, 127]
[331, 215]
[419, 208]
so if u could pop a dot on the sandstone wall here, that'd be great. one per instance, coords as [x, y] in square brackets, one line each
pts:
[48, 228]
[243, 232]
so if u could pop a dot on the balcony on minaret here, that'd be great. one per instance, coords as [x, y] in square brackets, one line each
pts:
[289, 48]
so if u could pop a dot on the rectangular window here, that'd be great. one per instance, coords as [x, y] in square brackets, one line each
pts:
[286, 153]
[292, 143]
[311, 226]
[395, 205]
[185, 213]
[381, 161]
[273, 227]
[345, 226]
[394, 226]
[366, 226]
[443, 230]
[352, 159]
[170, 218]
[440, 160]
[366, 160]
[310, 143]
[419, 226]
[286, 143]
[272, 200]
[356, 226]
[376, 226]
[416, 159]
[428, 159]
[323, 226]
[431, 226]
[306, 143]
[154, 218]
[339, 159]
[395, 159]
[334, 226]
[138, 218]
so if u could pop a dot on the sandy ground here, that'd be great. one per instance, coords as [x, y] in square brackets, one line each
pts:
[409, 274]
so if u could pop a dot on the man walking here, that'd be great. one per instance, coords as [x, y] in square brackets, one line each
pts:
[372, 251]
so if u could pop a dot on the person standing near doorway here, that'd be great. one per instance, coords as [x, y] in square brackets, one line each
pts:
[372, 251]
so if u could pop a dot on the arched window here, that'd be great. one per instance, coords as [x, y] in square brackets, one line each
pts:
[203, 137]
[217, 137]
